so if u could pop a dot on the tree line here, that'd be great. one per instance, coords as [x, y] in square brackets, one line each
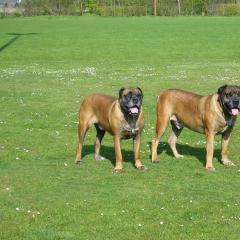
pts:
[130, 7]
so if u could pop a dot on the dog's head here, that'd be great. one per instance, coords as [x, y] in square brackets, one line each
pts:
[230, 98]
[130, 100]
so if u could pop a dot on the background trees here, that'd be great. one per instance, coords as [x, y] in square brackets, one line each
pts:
[131, 7]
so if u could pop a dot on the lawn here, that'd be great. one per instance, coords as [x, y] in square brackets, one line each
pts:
[47, 65]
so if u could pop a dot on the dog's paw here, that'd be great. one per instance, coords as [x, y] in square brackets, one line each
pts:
[141, 168]
[210, 169]
[98, 158]
[78, 162]
[117, 171]
[179, 156]
[155, 161]
[228, 163]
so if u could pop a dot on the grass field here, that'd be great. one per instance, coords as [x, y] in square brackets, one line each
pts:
[47, 65]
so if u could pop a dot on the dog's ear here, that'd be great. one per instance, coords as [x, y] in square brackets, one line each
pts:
[120, 92]
[140, 91]
[220, 90]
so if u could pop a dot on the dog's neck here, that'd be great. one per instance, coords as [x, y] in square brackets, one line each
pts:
[130, 119]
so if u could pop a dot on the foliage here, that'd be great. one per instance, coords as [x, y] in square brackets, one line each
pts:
[129, 7]
[229, 9]
[194, 7]
[121, 11]
[52, 7]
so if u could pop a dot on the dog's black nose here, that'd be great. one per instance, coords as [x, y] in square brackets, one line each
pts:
[235, 103]
[135, 100]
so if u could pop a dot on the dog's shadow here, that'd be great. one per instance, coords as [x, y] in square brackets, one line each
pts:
[109, 153]
[128, 156]
[187, 150]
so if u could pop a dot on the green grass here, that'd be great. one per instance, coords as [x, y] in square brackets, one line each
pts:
[47, 65]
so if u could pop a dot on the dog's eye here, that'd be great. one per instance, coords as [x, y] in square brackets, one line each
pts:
[129, 95]
[226, 98]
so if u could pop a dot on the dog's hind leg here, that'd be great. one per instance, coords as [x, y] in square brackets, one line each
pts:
[82, 130]
[161, 125]
[177, 128]
[99, 137]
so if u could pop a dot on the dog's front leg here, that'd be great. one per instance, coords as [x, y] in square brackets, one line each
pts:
[118, 154]
[225, 140]
[136, 146]
[209, 148]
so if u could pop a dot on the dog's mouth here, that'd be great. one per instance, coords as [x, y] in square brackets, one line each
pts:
[234, 111]
[134, 110]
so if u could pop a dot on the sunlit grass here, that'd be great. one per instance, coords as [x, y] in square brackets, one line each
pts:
[50, 67]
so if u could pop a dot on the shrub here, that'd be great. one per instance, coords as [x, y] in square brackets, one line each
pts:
[120, 11]
[229, 9]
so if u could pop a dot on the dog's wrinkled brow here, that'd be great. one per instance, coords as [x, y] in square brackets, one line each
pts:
[232, 90]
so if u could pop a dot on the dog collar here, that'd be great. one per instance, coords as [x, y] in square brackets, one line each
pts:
[132, 130]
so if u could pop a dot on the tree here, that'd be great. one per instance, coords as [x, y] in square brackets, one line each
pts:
[179, 7]
[155, 7]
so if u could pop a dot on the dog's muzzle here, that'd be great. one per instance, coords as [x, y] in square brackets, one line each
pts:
[235, 110]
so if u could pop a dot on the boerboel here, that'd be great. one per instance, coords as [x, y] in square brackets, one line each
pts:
[122, 117]
[210, 115]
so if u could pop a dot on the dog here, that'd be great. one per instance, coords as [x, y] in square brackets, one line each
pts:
[210, 115]
[122, 117]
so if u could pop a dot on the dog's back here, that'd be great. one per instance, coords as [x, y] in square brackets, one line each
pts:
[95, 109]
[98, 102]
[183, 105]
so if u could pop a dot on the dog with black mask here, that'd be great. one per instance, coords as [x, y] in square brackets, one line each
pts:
[210, 115]
[122, 117]
[229, 98]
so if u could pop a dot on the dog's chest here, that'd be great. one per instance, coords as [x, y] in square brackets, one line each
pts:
[129, 131]
[222, 126]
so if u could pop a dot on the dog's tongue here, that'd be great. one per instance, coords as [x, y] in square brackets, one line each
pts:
[234, 111]
[133, 110]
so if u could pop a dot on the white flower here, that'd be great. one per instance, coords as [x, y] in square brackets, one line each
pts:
[161, 222]
[17, 209]
[140, 225]
[29, 211]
